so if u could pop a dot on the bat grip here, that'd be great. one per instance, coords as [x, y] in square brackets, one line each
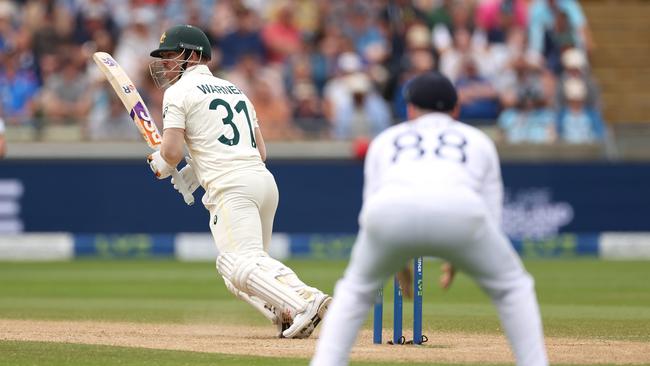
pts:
[182, 188]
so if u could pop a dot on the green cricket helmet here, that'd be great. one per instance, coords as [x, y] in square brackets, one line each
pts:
[184, 37]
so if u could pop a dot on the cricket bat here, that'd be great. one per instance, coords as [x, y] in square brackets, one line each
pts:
[138, 111]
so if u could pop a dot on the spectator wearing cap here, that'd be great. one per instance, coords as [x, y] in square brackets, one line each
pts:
[530, 120]
[526, 72]
[335, 91]
[575, 66]
[579, 123]
[363, 113]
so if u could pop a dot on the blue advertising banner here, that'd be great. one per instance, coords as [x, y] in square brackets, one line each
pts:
[123, 197]
[116, 246]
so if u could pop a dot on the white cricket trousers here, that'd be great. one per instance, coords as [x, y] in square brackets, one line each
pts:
[400, 224]
[242, 206]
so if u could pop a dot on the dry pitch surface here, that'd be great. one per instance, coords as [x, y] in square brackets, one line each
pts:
[260, 341]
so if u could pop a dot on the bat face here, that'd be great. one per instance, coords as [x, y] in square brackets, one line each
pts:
[141, 117]
[130, 98]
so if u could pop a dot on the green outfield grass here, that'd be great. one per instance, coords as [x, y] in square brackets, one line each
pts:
[579, 298]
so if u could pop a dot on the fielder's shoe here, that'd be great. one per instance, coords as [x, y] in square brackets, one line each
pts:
[305, 322]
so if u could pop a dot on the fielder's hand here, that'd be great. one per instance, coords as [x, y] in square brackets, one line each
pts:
[159, 166]
[405, 280]
[188, 176]
[447, 276]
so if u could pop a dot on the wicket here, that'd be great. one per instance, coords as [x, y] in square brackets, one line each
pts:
[398, 338]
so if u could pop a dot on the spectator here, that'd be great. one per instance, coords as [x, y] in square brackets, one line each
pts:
[130, 52]
[440, 15]
[529, 121]
[324, 57]
[107, 120]
[451, 58]
[273, 112]
[281, 36]
[361, 30]
[477, 97]
[543, 15]
[363, 113]
[250, 70]
[18, 90]
[461, 18]
[419, 62]
[395, 18]
[93, 16]
[579, 123]
[3, 144]
[526, 73]
[308, 110]
[498, 58]
[574, 65]
[7, 25]
[190, 11]
[245, 38]
[65, 98]
[497, 17]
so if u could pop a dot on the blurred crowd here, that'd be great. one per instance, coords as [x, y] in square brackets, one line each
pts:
[314, 69]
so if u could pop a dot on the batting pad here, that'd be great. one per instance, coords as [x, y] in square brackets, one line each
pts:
[260, 277]
[253, 301]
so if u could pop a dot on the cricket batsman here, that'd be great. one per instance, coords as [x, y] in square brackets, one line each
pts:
[219, 125]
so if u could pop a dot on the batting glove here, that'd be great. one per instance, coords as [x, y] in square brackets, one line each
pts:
[159, 166]
[188, 175]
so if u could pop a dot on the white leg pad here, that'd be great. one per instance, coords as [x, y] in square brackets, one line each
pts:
[266, 279]
[255, 302]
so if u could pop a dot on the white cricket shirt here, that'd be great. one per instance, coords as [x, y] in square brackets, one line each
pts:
[219, 123]
[435, 152]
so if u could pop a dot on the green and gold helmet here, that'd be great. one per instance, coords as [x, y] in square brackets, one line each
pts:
[184, 37]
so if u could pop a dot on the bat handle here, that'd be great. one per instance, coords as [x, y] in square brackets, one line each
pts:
[182, 188]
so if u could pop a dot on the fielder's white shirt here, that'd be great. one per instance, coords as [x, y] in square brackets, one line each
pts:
[2, 126]
[219, 123]
[435, 150]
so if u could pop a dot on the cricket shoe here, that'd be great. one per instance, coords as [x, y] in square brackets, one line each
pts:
[305, 322]
[283, 321]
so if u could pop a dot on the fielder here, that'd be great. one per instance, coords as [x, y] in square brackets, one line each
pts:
[219, 125]
[433, 188]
